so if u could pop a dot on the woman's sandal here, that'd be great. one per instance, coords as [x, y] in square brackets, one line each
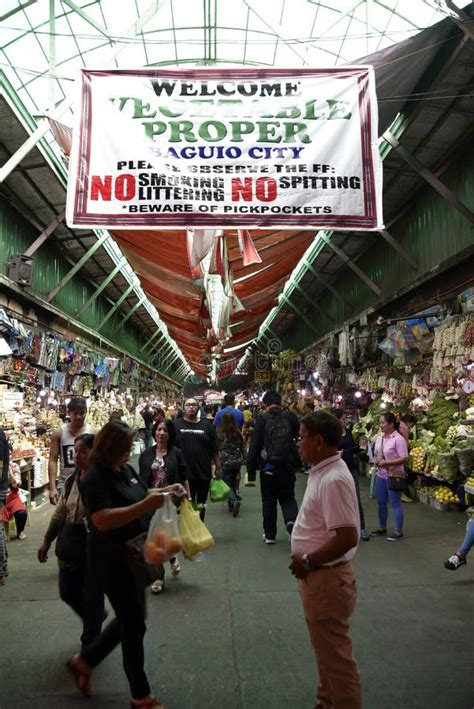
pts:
[147, 703]
[2, 580]
[157, 587]
[175, 568]
[82, 673]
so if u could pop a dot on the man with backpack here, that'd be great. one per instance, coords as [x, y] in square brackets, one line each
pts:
[273, 450]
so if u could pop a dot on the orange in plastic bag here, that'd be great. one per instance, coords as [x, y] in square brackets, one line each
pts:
[163, 541]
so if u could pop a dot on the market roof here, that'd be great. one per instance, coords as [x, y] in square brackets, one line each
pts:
[424, 84]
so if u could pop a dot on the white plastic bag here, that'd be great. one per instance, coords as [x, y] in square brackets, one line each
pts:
[163, 540]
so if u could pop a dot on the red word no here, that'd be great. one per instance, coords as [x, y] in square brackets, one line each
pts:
[265, 189]
[124, 187]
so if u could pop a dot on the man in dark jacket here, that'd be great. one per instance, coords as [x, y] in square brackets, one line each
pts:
[273, 450]
[4, 468]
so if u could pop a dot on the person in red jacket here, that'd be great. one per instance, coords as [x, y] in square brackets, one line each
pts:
[14, 505]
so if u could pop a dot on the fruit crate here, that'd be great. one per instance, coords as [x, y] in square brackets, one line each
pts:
[445, 506]
[423, 497]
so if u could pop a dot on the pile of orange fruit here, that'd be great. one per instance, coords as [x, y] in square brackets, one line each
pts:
[162, 547]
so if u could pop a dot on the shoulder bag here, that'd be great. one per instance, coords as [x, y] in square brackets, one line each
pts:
[396, 479]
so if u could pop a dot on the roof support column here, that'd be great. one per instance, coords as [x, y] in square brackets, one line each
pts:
[47, 231]
[117, 305]
[52, 53]
[102, 286]
[90, 252]
[427, 175]
[363, 276]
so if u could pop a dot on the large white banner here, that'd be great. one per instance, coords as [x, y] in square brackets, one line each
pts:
[213, 148]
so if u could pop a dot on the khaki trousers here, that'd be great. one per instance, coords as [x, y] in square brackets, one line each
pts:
[328, 596]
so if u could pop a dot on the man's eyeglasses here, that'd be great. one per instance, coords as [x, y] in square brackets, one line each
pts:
[190, 403]
[308, 435]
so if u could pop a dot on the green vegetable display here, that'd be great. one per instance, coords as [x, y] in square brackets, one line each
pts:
[440, 415]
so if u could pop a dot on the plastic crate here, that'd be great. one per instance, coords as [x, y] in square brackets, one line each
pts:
[423, 497]
[445, 506]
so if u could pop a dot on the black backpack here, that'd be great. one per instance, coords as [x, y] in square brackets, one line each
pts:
[279, 445]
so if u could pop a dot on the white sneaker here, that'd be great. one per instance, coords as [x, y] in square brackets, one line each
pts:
[268, 541]
[454, 562]
[22, 536]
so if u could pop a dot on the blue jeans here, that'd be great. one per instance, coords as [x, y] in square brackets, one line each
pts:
[383, 494]
[468, 540]
[231, 476]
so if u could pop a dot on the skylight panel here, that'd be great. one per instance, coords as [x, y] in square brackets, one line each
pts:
[230, 45]
[160, 46]
[187, 14]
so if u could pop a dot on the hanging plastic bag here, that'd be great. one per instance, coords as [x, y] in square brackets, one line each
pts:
[219, 490]
[163, 539]
[195, 536]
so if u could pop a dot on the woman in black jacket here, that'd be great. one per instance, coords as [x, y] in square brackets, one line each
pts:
[162, 465]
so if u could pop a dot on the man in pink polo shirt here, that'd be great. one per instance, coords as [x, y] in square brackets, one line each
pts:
[323, 542]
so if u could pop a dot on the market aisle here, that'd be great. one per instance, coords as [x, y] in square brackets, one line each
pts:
[230, 633]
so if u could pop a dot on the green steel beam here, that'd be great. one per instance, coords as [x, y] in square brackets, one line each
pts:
[449, 197]
[314, 304]
[102, 286]
[300, 314]
[47, 231]
[363, 276]
[325, 283]
[167, 359]
[52, 52]
[132, 311]
[153, 337]
[117, 305]
[398, 248]
[77, 267]
[17, 9]
[87, 18]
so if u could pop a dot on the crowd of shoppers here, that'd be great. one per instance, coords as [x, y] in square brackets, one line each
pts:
[101, 504]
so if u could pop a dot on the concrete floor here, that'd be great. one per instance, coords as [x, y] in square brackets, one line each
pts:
[230, 633]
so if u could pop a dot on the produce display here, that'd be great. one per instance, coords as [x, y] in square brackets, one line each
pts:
[440, 415]
[418, 457]
[441, 446]
[444, 494]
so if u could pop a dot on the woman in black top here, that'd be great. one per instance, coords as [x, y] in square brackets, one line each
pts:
[160, 466]
[118, 506]
[349, 449]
